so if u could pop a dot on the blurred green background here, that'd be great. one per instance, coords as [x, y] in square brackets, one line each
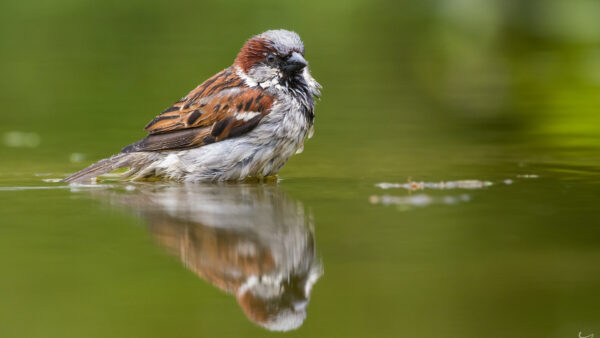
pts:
[423, 90]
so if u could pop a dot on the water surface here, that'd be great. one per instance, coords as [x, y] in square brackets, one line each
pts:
[451, 188]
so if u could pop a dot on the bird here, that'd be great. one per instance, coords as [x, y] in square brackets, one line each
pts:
[243, 123]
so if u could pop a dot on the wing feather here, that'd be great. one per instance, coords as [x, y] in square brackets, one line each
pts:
[220, 108]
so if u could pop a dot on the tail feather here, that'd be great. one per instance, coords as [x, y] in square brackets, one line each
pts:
[100, 168]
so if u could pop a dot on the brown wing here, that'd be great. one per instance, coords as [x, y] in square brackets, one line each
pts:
[220, 108]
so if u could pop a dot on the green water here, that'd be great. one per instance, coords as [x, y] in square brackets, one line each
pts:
[504, 93]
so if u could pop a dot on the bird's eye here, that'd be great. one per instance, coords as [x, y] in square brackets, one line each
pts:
[271, 58]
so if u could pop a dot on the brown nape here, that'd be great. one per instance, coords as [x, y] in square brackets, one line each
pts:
[254, 51]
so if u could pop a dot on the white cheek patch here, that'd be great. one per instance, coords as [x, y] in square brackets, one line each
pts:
[246, 116]
[269, 83]
[247, 79]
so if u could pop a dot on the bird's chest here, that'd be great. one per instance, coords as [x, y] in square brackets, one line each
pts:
[287, 124]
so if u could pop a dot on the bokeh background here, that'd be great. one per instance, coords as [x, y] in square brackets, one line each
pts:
[499, 91]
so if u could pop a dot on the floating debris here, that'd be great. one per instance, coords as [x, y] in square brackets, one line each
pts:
[19, 139]
[420, 200]
[528, 176]
[463, 184]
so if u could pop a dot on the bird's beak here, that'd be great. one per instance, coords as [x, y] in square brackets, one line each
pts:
[294, 63]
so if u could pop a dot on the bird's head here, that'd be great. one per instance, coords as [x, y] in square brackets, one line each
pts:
[273, 57]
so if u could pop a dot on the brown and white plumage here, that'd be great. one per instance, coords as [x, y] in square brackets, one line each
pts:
[220, 108]
[245, 121]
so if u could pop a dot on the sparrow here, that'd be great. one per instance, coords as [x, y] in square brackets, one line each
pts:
[244, 122]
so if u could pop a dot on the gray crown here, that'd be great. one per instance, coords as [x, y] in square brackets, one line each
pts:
[284, 41]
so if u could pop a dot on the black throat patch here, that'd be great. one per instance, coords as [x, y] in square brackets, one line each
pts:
[298, 88]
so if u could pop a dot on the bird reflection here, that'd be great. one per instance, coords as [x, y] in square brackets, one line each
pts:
[252, 241]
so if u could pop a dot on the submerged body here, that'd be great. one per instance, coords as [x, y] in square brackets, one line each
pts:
[244, 122]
